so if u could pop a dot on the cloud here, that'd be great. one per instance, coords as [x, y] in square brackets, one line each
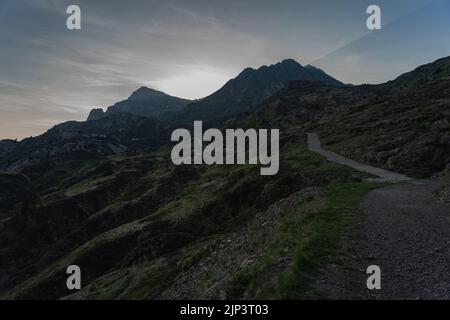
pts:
[187, 48]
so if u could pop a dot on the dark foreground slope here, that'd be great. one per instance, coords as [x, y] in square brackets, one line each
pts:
[140, 227]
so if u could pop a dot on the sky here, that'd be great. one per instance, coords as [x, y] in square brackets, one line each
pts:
[190, 48]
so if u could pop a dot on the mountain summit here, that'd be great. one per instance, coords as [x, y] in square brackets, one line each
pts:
[251, 87]
[145, 102]
[248, 89]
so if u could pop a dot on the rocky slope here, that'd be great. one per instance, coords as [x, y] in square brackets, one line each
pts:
[114, 134]
[6, 146]
[402, 125]
[141, 218]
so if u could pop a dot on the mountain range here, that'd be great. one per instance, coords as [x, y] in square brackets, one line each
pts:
[250, 88]
[144, 119]
[115, 133]
[240, 94]
[103, 194]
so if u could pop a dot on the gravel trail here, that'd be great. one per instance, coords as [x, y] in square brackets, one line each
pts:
[385, 175]
[404, 230]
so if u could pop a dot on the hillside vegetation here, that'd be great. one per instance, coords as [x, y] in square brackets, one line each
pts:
[105, 195]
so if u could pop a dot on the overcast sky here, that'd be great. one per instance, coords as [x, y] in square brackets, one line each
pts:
[190, 48]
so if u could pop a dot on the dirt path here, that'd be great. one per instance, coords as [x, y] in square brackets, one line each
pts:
[387, 176]
[404, 230]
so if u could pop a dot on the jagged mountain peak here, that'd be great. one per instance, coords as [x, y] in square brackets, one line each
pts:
[96, 114]
[144, 93]
[290, 61]
[250, 88]
[144, 102]
[284, 63]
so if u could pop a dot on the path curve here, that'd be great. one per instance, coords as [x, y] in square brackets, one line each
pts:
[401, 228]
[385, 175]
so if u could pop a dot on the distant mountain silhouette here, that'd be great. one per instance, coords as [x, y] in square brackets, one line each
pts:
[115, 133]
[145, 102]
[250, 88]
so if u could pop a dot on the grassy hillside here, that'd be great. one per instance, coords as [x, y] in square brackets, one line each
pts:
[142, 228]
[407, 130]
[403, 125]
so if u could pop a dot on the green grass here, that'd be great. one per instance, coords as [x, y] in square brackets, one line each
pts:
[311, 241]
[87, 185]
